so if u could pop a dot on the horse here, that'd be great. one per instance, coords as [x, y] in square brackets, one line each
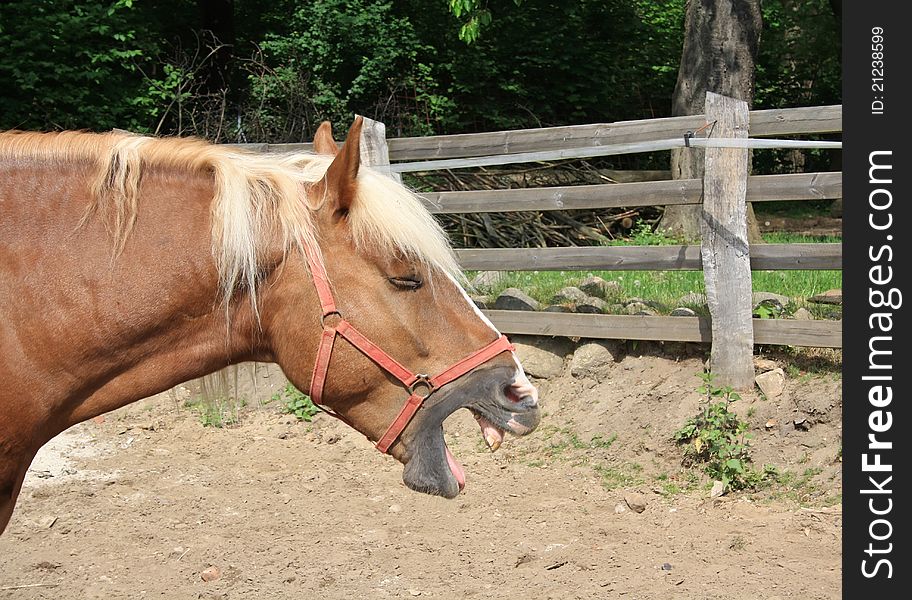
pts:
[130, 264]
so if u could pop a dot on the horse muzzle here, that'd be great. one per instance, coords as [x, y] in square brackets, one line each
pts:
[502, 400]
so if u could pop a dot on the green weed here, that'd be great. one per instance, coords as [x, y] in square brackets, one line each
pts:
[717, 439]
[297, 403]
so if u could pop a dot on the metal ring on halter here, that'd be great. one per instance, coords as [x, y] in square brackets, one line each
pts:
[422, 382]
[329, 314]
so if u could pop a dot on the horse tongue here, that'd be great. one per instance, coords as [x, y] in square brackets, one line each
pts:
[456, 468]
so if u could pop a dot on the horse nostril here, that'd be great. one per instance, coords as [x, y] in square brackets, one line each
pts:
[522, 391]
[511, 394]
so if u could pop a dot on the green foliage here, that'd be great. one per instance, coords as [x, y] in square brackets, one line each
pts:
[146, 66]
[297, 403]
[768, 309]
[537, 65]
[799, 57]
[342, 57]
[717, 439]
[69, 64]
[477, 16]
[643, 234]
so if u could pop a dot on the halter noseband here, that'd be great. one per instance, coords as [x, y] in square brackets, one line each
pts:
[419, 386]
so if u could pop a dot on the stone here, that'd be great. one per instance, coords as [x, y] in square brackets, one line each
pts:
[636, 502]
[683, 311]
[481, 301]
[764, 364]
[649, 303]
[638, 308]
[693, 299]
[592, 305]
[801, 422]
[717, 490]
[210, 574]
[598, 287]
[515, 299]
[827, 297]
[771, 383]
[560, 308]
[569, 295]
[803, 314]
[591, 360]
[619, 508]
[769, 299]
[485, 280]
[540, 360]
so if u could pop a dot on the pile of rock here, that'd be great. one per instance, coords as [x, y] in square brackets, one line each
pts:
[596, 295]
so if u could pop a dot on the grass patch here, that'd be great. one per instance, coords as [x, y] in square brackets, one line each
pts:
[670, 486]
[216, 412]
[562, 445]
[668, 287]
[802, 489]
[621, 476]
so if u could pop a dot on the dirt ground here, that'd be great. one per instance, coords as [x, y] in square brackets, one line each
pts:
[144, 503]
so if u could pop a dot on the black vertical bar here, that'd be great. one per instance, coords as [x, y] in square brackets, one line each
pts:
[877, 266]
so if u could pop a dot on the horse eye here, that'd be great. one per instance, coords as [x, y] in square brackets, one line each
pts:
[409, 282]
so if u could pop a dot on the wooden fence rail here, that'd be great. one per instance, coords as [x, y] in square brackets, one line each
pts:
[824, 334]
[760, 188]
[763, 123]
[644, 258]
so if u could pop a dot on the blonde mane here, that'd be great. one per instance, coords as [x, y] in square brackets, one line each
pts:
[255, 195]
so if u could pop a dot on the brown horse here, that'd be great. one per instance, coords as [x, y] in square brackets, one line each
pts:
[130, 264]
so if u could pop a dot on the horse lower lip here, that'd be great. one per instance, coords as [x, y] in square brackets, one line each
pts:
[493, 435]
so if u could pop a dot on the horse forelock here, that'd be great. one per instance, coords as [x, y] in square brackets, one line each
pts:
[255, 196]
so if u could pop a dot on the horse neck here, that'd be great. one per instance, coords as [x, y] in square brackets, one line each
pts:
[97, 331]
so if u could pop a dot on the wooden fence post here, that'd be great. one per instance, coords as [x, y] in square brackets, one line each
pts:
[374, 150]
[725, 250]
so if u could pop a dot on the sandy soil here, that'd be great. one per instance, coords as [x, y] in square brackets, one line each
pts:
[144, 503]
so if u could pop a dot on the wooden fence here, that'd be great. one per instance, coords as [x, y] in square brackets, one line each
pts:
[724, 254]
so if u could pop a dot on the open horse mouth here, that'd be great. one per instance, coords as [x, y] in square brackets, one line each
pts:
[501, 399]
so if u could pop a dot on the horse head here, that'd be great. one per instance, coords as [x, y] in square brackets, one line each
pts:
[392, 308]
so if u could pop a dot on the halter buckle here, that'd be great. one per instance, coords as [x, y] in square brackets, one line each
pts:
[422, 383]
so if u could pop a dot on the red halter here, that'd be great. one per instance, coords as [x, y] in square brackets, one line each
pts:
[418, 386]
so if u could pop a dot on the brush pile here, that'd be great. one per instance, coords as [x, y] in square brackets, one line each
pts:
[538, 229]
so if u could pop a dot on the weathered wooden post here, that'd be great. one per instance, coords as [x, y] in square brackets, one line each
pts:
[725, 249]
[374, 151]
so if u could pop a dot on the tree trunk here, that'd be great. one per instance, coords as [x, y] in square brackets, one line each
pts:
[720, 48]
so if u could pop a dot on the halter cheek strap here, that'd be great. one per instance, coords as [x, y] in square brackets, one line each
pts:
[419, 386]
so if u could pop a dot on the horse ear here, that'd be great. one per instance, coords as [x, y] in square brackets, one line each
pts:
[339, 181]
[323, 140]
